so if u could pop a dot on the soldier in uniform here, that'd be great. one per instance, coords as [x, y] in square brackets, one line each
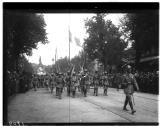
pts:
[59, 85]
[96, 83]
[86, 83]
[56, 83]
[101, 80]
[68, 83]
[82, 82]
[52, 79]
[47, 82]
[129, 82]
[105, 83]
[109, 79]
[73, 84]
[117, 81]
[78, 82]
[35, 81]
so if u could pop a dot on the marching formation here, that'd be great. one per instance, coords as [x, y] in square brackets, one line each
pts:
[80, 82]
[84, 81]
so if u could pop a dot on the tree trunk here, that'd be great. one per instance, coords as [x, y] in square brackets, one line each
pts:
[17, 76]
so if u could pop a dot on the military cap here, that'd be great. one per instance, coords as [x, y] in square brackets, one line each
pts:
[105, 72]
[85, 70]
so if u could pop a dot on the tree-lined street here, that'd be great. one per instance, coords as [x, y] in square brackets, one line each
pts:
[68, 67]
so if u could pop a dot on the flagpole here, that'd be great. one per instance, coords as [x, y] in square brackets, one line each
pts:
[55, 58]
[69, 42]
[55, 55]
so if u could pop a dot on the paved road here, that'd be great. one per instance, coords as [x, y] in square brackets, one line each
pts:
[42, 106]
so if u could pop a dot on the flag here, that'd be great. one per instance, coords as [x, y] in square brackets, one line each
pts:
[72, 70]
[81, 68]
[55, 55]
[58, 68]
[70, 36]
[77, 40]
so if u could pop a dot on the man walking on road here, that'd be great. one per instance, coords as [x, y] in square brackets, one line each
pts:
[73, 84]
[68, 83]
[105, 83]
[129, 82]
[59, 85]
[96, 83]
[84, 83]
[34, 82]
[52, 79]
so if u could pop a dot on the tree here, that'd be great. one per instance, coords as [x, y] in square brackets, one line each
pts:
[61, 65]
[104, 41]
[143, 29]
[22, 32]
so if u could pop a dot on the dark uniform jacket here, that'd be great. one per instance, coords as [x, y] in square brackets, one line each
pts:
[96, 80]
[105, 81]
[59, 82]
[129, 82]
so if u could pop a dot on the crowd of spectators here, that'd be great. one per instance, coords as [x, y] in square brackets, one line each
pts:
[148, 81]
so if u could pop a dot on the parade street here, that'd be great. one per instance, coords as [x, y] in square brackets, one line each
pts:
[43, 107]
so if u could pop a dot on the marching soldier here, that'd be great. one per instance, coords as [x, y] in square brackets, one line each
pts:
[52, 79]
[110, 79]
[83, 86]
[34, 82]
[101, 80]
[47, 82]
[40, 83]
[117, 81]
[129, 82]
[96, 83]
[84, 83]
[59, 85]
[78, 82]
[56, 83]
[105, 83]
[73, 84]
[68, 83]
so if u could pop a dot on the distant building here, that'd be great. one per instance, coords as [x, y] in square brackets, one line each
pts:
[41, 68]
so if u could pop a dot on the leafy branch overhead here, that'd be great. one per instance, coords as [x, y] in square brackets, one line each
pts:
[24, 31]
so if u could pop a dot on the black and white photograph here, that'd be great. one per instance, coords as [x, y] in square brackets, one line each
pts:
[80, 64]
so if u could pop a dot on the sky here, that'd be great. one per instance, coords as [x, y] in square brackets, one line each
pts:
[57, 29]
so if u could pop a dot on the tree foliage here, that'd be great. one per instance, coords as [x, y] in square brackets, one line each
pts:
[22, 32]
[143, 29]
[104, 41]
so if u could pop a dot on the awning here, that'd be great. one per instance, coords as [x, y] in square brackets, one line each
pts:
[149, 58]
